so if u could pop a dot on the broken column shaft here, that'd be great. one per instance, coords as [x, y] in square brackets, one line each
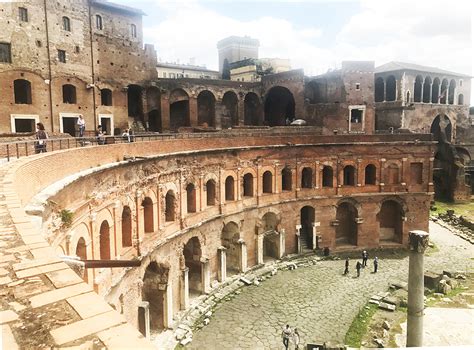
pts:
[418, 241]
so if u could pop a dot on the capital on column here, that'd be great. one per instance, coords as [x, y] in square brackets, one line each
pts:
[418, 240]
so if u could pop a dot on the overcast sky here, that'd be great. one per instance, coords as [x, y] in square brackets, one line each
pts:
[315, 34]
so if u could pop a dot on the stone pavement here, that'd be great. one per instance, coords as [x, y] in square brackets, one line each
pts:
[318, 299]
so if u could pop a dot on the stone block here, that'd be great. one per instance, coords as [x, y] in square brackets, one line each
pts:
[246, 281]
[431, 279]
[385, 306]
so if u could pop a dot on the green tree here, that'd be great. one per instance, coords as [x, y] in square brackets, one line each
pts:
[226, 70]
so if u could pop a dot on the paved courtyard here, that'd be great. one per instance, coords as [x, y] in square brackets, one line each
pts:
[318, 300]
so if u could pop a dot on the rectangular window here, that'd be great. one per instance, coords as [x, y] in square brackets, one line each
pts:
[356, 116]
[416, 173]
[164, 74]
[62, 56]
[357, 86]
[133, 30]
[98, 22]
[5, 53]
[23, 14]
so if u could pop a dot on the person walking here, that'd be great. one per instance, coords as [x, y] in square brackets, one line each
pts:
[365, 257]
[81, 123]
[286, 334]
[296, 339]
[358, 267]
[346, 270]
[41, 137]
[376, 264]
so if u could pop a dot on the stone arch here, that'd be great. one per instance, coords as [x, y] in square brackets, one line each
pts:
[211, 192]
[427, 90]
[417, 88]
[435, 91]
[390, 218]
[230, 114]
[206, 104]
[270, 222]
[460, 99]
[179, 109]
[148, 216]
[370, 174]
[192, 259]
[230, 236]
[346, 229]
[104, 241]
[392, 174]
[349, 175]
[451, 91]
[328, 176]
[391, 88]
[229, 188]
[155, 283]
[252, 109]
[441, 128]
[307, 177]
[286, 179]
[126, 226]
[267, 180]
[307, 219]
[379, 90]
[191, 198]
[279, 106]
[170, 206]
[247, 185]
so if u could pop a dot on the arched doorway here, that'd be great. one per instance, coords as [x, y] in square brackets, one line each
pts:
[229, 188]
[135, 102]
[252, 109]
[248, 185]
[370, 174]
[230, 240]
[307, 178]
[346, 230]
[349, 175]
[155, 282]
[206, 108]
[81, 253]
[179, 109]
[441, 128]
[279, 106]
[286, 179]
[104, 241]
[191, 198]
[126, 227]
[153, 99]
[327, 176]
[210, 193]
[271, 237]
[390, 219]
[306, 233]
[192, 260]
[148, 214]
[230, 113]
[379, 90]
[170, 206]
[267, 182]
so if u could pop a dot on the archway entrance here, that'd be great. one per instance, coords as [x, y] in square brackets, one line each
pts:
[271, 246]
[135, 102]
[206, 109]
[153, 99]
[306, 232]
[390, 219]
[346, 230]
[279, 106]
[104, 241]
[154, 287]
[441, 128]
[230, 115]
[192, 260]
[229, 239]
[252, 110]
[179, 109]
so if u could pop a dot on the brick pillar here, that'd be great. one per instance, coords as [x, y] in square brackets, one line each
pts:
[184, 288]
[241, 110]
[193, 111]
[165, 112]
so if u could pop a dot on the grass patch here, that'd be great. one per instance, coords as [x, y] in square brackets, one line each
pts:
[359, 326]
[179, 347]
[432, 250]
[465, 209]
[437, 299]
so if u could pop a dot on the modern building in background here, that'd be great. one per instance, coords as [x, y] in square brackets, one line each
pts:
[236, 48]
[176, 71]
[253, 69]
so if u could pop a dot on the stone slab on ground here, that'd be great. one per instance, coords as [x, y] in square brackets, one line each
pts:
[89, 304]
[40, 270]
[59, 294]
[63, 278]
[8, 316]
[8, 340]
[124, 337]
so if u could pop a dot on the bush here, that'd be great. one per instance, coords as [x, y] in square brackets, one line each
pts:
[66, 217]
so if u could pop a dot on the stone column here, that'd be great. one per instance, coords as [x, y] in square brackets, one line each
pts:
[205, 275]
[260, 249]
[184, 287]
[222, 272]
[315, 234]
[418, 241]
[168, 306]
[299, 249]
[242, 255]
[281, 245]
[144, 319]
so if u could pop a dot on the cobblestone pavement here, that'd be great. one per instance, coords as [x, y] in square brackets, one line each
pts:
[318, 300]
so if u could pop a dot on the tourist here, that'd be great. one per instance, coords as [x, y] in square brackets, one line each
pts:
[358, 267]
[100, 135]
[365, 257]
[296, 338]
[41, 136]
[126, 135]
[286, 334]
[346, 271]
[82, 125]
[376, 264]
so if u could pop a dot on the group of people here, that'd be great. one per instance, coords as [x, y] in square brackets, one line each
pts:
[359, 265]
[290, 335]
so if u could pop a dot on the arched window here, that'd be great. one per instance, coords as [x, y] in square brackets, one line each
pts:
[379, 89]
[170, 204]
[69, 94]
[370, 174]
[248, 185]
[148, 214]
[417, 88]
[106, 97]
[327, 176]
[349, 175]
[451, 91]
[66, 24]
[286, 184]
[427, 90]
[98, 22]
[133, 30]
[435, 91]
[104, 241]
[391, 89]
[22, 91]
[191, 198]
[229, 188]
[307, 178]
[126, 227]
[460, 99]
[211, 193]
[267, 182]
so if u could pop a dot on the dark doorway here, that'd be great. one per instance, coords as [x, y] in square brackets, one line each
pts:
[206, 109]
[252, 110]
[279, 106]
[230, 115]
[306, 233]
[179, 109]
[390, 218]
[346, 230]
[69, 125]
[192, 258]
[155, 283]
[230, 240]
